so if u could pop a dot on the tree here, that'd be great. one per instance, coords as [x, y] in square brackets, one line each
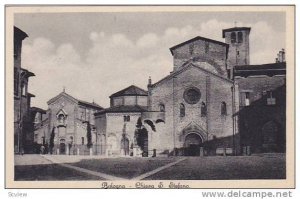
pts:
[140, 134]
[52, 140]
[89, 135]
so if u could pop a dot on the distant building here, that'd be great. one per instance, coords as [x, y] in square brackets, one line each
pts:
[68, 118]
[23, 133]
[262, 112]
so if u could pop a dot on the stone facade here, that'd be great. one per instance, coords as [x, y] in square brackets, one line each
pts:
[116, 125]
[203, 119]
[23, 133]
[68, 118]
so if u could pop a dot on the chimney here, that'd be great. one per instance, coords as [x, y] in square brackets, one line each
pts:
[276, 60]
[283, 55]
[278, 57]
[149, 81]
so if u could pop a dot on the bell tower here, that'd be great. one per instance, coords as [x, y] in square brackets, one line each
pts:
[238, 40]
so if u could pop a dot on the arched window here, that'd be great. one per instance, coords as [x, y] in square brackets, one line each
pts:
[23, 89]
[161, 107]
[233, 37]
[182, 110]
[223, 108]
[240, 37]
[61, 118]
[203, 109]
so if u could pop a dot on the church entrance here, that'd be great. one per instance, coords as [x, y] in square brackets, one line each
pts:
[192, 144]
[62, 147]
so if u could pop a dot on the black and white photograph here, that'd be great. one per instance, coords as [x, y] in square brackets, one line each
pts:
[150, 96]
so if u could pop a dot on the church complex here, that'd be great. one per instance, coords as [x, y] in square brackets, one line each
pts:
[213, 102]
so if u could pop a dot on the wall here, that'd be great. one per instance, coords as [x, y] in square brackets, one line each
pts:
[211, 87]
[216, 53]
[255, 116]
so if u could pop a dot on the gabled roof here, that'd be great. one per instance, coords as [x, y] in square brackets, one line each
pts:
[77, 101]
[234, 29]
[123, 109]
[130, 91]
[263, 69]
[62, 94]
[195, 39]
[173, 74]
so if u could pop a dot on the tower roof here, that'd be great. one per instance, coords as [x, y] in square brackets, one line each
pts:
[235, 29]
[130, 91]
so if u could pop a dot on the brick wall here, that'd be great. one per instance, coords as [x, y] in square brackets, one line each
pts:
[219, 91]
[215, 52]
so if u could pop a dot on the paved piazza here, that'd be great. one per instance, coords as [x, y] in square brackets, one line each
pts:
[52, 168]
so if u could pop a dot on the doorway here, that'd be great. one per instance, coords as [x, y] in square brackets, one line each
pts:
[192, 144]
[62, 147]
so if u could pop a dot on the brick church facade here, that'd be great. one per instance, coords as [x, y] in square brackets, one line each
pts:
[213, 102]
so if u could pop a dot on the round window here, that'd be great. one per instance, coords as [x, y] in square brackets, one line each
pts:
[192, 95]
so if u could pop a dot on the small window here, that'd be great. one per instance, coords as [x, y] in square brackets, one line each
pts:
[223, 108]
[182, 110]
[238, 52]
[126, 118]
[206, 47]
[162, 108]
[233, 37]
[82, 140]
[240, 37]
[271, 100]
[247, 99]
[203, 109]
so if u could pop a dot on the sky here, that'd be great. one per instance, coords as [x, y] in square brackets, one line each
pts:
[94, 55]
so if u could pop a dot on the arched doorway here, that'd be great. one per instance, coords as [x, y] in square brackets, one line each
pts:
[125, 145]
[142, 141]
[62, 147]
[192, 144]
